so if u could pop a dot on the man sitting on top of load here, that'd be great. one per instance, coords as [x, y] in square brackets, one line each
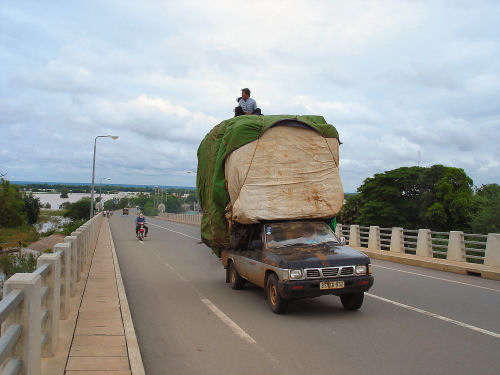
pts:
[247, 105]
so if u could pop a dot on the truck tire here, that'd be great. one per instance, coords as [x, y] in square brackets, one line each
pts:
[352, 301]
[236, 280]
[278, 304]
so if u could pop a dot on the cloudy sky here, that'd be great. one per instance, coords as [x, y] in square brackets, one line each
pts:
[396, 78]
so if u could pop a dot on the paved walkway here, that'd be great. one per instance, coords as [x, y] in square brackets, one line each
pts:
[104, 341]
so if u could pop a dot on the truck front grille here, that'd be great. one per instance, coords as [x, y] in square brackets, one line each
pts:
[327, 272]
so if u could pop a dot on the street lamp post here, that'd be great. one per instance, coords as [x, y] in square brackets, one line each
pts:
[93, 173]
[100, 190]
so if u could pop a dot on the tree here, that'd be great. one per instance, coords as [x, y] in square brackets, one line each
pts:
[32, 207]
[110, 205]
[150, 210]
[173, 204]
[438, 198]
[79, 210]
[446, 198]
[390, 199]
[11, 205]
[124, 202]
[64, 193]
[486, 215]
[350, 210]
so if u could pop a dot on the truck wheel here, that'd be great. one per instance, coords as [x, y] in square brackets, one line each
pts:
[352, 301]
[276, 302]
[237, 281]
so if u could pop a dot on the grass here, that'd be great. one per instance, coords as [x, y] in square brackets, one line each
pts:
[10, 237]
[46, 215]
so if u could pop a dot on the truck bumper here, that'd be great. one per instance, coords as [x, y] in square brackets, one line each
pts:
[310, 288]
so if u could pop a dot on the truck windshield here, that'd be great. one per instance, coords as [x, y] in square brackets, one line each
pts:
[299, 234]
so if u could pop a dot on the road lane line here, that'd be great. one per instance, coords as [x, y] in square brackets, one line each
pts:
[227, 321]
[171, 230]
[437, 278]
[440, 317]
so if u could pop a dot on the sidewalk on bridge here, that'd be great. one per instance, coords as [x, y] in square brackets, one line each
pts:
[103, 339]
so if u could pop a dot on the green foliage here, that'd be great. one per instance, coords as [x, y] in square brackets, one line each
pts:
[11, 205]
[32, 208]
[11, 264]
[71, 227]
[48, 233]
[79, 210]
[350, 210]
[486, 209]
[64, 192]
[124, 202]
[439, 198]
[109, 205]
[173, 204]
[65, 206]
[391, 199]
[150, 210]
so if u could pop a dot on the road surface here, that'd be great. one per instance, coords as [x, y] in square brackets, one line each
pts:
[189, 321]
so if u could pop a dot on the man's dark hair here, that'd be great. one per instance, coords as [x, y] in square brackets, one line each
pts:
[246, 91]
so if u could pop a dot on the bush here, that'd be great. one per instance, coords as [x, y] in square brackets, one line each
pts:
[12, 264]
[71, 227]
[79, 210]
[48, 233]
[32, 208]
[149, 210]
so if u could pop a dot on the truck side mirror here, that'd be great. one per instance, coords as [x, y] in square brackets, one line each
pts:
[256, 244]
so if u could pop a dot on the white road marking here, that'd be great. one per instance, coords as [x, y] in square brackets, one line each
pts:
[444, 318]
[227, 321]
[437, 278]
[141, 242]
[171, 230]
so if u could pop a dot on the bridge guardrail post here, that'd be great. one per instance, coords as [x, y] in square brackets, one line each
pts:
[397, 240]
[456, 246]
[492, 255]
[79, 250]
[354, 239]
[28, 314]
[53, 300]
[65, 250]
[374, 238]
[73, 240]
[424, 243]
[338, 230]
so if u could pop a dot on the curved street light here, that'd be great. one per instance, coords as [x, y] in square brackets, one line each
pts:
[93, 172]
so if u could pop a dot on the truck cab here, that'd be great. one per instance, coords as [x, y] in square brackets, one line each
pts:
[298, 259]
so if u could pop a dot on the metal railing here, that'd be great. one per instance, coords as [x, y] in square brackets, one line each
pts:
[475, 247]
[182, 218]
[385, 238]
[34, 302]
[364, 234]
[410, 238]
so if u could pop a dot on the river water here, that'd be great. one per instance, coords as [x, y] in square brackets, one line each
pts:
[55, 200]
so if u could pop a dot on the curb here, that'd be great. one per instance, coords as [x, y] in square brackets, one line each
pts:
[134, 354]
[486, 272]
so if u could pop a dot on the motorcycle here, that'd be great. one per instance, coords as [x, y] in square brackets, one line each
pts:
[141, 232]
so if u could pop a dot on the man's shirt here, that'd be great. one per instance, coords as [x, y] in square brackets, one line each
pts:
[248, 105]
[140, 220]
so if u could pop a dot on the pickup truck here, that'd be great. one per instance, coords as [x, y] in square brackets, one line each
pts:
[298, 259]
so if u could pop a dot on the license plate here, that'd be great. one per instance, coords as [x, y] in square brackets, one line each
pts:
[331, 285]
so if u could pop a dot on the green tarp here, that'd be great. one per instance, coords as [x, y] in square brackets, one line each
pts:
[223, 139]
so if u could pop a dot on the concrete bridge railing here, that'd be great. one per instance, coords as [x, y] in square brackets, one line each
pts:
[34, 302]
[454, 246]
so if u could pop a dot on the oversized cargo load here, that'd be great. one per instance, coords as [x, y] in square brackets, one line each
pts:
[254, 168]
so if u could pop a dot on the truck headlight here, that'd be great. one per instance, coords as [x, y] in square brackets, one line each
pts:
[361, 270]
[295, 274]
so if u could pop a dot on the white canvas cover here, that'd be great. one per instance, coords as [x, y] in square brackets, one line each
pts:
[288, 173]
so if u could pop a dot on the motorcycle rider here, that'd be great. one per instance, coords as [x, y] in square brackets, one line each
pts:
[140, 219]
